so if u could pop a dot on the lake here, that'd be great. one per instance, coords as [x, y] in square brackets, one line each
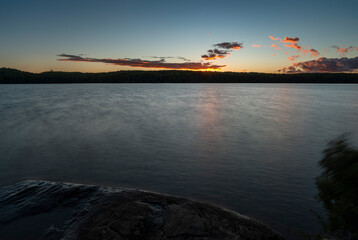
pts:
[252, 148]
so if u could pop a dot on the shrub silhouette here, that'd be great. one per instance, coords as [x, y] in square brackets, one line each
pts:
[338, 190]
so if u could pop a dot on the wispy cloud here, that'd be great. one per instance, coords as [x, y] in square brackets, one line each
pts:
[292, 58]
[313, 52]
[160, 64]
[274, 39]
[256, 46]
[344, 50]
[169, 57]
[184, 59]
[324, 65]
[275, 46]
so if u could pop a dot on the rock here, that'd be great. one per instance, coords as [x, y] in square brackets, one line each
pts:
[50, 210]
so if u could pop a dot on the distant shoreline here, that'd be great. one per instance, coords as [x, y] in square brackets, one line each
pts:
[14, 76]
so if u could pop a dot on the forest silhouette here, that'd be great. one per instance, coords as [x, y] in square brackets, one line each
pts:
[14, 76]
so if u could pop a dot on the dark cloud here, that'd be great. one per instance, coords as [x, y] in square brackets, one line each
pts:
[212, 56]
[218, 54]
[156, 57]
[292, 40]
[215, 53]
[184, 59]
[162, 64]
[324, 65]
[169, 57]
[229, 45]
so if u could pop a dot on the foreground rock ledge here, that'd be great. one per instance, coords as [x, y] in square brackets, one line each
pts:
[50, 210]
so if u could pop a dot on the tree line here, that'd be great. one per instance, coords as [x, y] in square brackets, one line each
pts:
[14, 76]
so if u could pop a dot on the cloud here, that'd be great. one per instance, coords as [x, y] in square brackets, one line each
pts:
[286, 40]
[292, 58]
[274, 39]
[324, 65]
[184, 59]
[229, 45]
[313, 52]
[343, 51]
[293, 45]
[159, 57]
[156, 57]
[212, 56]
[161, 64]
[217, 51]
[275, 46]
[219, 54]
[256, 46]
[292, 40]
[215, 54]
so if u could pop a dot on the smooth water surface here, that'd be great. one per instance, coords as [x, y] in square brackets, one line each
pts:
[252, 148]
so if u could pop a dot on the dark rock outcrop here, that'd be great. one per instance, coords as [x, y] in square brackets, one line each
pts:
[49, 210]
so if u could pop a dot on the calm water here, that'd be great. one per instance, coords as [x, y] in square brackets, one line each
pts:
[249, 147]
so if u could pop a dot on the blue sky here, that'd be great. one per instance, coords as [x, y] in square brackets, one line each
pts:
[33, 33]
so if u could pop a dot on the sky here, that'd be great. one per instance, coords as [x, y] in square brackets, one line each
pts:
[240, 36]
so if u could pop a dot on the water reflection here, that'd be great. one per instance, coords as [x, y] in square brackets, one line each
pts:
[209, 123]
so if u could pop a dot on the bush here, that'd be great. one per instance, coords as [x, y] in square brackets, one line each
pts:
[338, 190]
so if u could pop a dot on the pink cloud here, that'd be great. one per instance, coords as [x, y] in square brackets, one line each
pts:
[324, 65]
[343, 51]
[292, 58]
[292, 40]
[275, 46]
[256, 46]
[273, 38]
[293, 45]
[313, 52]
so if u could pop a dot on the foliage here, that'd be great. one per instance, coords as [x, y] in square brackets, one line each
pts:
[8, 75]
[338, 190]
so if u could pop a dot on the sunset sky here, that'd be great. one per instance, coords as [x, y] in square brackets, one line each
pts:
[100, 36]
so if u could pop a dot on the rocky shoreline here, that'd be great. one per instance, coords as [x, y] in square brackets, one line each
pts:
[50, 210]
